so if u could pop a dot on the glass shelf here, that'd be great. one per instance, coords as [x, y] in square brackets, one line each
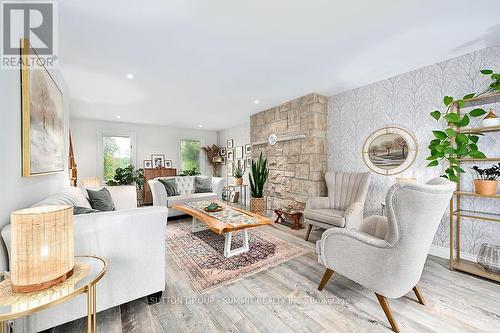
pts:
[492, 217]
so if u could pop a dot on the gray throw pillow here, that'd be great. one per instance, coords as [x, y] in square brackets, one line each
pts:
[170, 186]
[101, 200]
[83, 210]
[202, 184]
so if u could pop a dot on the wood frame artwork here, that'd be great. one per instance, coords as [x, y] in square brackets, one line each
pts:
[43, 132]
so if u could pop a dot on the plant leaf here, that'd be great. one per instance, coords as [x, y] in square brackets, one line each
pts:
[477, 112]
[452, 117]
[432, 158]
[486, 71]
[474, 138]
[440, 135]
[465, 121]
[476, 154]
[451, 132]
[462, 138]
[433, 164]
[469, 96]
[447, 100]
[473, 146]
[436, 115]
[460, 103]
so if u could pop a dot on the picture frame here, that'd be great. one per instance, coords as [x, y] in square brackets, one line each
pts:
[147, 164]
[222, 151]
[239, 152]
[230, 143]
[223, 160]
[248, 149]
[230, 155]
[230, 169]
[43, 116]
[168, 164]
[241, 164]
[248, 161]
[234, 197]
[158, 161]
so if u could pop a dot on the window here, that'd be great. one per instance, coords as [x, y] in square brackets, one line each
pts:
[190, 155]
[117, 151]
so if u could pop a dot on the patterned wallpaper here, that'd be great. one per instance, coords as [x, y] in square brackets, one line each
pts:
[406, 100]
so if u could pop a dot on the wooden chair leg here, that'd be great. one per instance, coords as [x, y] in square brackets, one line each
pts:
[326, 277]
[419, 295]
[388, 312]
[308, 232]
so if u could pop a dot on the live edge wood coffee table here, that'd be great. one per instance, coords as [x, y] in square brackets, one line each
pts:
[224, 222]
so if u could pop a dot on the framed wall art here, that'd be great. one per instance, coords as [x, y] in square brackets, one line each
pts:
[222, 151]
[390, 150]
[230, 143]
[230, 155]
[248, 149]
[148, 164]
[168, 164]
[43, 139]
[158, 160]
[239, 152]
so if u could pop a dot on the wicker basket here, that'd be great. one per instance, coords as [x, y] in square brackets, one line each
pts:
[238, 181]
[258, 206]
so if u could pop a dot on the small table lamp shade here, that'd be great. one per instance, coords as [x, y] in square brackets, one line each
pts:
[91, 182]
[42, 250]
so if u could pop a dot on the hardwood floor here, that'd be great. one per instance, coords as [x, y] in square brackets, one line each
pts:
[285, 299]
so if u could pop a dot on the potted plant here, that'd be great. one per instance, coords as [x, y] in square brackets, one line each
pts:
[189, 172]
[448, 145]
[258, 178]
[486, 180]
[213, 156]
[130, 180]
[238, 175]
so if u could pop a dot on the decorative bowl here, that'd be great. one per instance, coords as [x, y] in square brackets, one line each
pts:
[213, 207]
[489, 257]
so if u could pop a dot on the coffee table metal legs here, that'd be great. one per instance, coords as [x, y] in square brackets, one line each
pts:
[227, 244]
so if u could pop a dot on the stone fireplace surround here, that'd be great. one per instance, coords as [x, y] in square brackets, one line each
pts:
[297, 164]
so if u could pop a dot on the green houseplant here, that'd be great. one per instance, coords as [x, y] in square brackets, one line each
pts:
[238, 175]
[127, 176]
[258, 177]
[448, 145]
[189, 172]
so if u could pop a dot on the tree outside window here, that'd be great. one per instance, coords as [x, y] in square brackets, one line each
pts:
[190, 155]
[116, 151]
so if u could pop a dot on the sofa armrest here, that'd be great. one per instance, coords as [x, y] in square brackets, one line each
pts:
[158, 192]
[318, 203]
[354, 215]
[218, 186]
[124, 197]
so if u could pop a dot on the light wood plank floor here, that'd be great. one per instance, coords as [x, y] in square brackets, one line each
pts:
[285, 299]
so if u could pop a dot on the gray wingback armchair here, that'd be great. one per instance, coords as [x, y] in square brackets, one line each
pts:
[387, 255]
[344, 206]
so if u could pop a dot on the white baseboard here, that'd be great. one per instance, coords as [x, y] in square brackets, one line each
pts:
[444, 252]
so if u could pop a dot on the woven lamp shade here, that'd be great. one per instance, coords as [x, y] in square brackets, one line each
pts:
[91, 182]
[42, 250]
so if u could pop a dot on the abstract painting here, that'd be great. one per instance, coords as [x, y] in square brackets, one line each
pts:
[42, 118]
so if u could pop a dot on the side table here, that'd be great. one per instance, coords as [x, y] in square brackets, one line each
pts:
[295, 216]
[243, 192]
[87, 272]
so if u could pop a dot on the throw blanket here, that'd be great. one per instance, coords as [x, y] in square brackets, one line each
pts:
[227, 215]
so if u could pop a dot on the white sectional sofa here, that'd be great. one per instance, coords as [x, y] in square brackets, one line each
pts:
[131, 239]
[185, 186]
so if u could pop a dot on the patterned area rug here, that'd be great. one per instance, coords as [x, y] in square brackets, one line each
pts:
[201, 255]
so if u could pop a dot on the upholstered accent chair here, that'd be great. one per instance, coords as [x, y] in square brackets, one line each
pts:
[344, 206]
[387, 254]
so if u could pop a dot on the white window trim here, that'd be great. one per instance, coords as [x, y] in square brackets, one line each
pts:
[202, 144]
[100, 149]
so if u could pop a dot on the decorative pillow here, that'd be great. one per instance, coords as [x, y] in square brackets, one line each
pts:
[83, 210]
[170, 186]
[101, 200]
[202, 184]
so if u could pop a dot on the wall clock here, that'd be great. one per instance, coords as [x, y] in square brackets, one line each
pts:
[273, 138]
[390, 150]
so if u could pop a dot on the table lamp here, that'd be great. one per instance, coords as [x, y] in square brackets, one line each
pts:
[91, 182]
[42, 248]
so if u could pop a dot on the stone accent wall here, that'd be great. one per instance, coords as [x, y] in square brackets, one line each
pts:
[296, 167]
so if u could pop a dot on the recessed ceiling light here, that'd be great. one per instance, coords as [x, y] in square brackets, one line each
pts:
[256, 101]
[118, 117]
[200, 126]
[130, 76]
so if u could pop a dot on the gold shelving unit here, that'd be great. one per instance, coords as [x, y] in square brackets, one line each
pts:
[456, 213]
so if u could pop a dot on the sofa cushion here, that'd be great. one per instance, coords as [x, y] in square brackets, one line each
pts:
[101, 200]
[72, 196]
[180, 199]
[170, 185]
[329, 216]
[83, 210]
[202, 184]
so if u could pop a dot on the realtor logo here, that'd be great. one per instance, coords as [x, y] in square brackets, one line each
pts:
[35, 21]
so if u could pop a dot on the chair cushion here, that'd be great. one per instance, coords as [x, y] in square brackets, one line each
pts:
[170, 186]
[101, 200]
[329, 216]
[180, 199]
[72, 196]
[202, 184]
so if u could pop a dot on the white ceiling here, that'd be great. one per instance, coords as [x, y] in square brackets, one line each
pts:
[206, 62]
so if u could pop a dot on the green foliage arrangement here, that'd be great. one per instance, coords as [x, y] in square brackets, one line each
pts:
[127, 176]
[442, 148]
[189, 172]
[238, 172]
[258, 177]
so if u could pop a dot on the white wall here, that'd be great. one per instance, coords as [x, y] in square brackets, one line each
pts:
[241, 136]
[17, 191]
[150, 139]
